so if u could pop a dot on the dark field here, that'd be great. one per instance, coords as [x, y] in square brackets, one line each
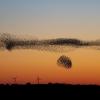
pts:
[49, 91]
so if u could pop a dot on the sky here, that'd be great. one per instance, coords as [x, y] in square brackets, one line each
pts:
[50, 19]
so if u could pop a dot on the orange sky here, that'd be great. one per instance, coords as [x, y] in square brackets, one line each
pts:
[26, 65]
[45, 19]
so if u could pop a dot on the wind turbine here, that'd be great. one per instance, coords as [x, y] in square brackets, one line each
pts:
[38, 80]
[14, 80]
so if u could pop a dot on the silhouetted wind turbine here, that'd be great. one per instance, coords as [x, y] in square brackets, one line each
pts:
[38, 80]
[14, 80]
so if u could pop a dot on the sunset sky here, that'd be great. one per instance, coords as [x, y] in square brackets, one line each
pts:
[45, 19]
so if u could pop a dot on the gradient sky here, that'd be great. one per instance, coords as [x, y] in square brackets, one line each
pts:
[50, 19]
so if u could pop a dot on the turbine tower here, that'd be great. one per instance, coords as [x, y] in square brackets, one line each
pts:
[38, 80]
[14, 80]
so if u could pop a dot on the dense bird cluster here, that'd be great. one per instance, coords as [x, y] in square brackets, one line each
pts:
[9, 42]
[64, 61]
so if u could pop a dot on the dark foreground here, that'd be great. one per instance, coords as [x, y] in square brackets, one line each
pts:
[49, 91]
